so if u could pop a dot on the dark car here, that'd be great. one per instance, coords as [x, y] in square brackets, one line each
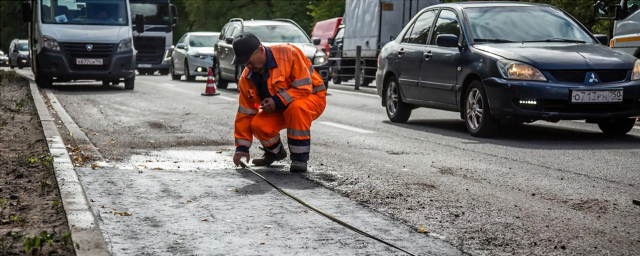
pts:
[507, 62]
[270, 32]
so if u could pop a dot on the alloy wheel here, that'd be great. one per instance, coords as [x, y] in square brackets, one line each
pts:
[474, 109]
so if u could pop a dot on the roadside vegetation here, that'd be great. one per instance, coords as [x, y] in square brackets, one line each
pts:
[32, 218]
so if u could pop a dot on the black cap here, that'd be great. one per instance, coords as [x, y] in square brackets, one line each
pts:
[243, 46]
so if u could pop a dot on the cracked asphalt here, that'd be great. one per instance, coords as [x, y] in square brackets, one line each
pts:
[538, 189]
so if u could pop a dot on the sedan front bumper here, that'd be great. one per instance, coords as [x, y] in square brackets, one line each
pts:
[552, 101]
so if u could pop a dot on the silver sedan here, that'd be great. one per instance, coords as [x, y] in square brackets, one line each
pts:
[193, 55]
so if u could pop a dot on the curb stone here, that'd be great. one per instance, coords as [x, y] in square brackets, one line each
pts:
[83, 224]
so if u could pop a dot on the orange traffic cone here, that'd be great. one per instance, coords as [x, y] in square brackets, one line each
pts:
[211, 86]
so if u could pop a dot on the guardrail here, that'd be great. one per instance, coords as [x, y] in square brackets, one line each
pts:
[358, 68]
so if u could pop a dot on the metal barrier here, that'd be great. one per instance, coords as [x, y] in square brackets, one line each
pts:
[358, 77]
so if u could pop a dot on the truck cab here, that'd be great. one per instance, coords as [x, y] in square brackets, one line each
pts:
[154, 46]
[626, 16]
[81, 40]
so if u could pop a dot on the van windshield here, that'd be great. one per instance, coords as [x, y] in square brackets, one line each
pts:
[85, 12]
[23, 47]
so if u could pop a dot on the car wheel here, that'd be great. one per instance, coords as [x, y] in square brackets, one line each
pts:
[364, 81]
[477, 114]
[106, 82]
[397, 111]
[164, 72]
[335, 78]
[220, 83]
[618, 126]
[41, 80]
[173, 73]
[129, 83]
[187, 75]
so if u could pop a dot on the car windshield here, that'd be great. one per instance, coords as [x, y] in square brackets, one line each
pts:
[278, 34]
[85, 12]
[23, 47]
[154, 13]
[203, 41]
[518, 24]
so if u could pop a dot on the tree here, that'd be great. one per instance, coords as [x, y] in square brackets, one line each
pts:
[11, 24]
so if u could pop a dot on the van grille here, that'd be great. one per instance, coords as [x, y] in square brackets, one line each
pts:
[578, 76]
[150, 49]
[98, 51]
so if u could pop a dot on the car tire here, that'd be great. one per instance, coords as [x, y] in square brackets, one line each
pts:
[220, 83]
[618, 126]
[477, 113]
[187, 76]
[335, 77]
[106, 82]
[172, 71]
[363, 71]
[129, 83]
[397, 110]
[164, 72]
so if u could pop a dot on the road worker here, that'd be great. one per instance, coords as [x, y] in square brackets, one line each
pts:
[278, 89]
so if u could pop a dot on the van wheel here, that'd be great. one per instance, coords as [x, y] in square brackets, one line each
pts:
[41, 80]
[220, 83]
[617, 127]
[397, 111]
[477, 113]
[129, 83]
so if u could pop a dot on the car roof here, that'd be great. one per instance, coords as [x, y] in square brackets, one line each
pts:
[203, 33]
[253, 23]
[489, 4]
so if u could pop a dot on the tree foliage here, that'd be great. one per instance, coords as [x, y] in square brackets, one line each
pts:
[11, 24]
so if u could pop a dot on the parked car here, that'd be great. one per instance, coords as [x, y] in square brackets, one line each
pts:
[193, 55]
[270, 32]
[335, 56]
[4, 59]
[19, 54]
[514, 62]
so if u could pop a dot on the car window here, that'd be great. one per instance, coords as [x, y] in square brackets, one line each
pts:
[633, 6]
[447, 23]
[182, 39]
[23, 47]
[202, 41]
[279, 34]
[235, 32]
[420, 31]
[224, 29]
[407, 34]
[340, 34]
[531, 23]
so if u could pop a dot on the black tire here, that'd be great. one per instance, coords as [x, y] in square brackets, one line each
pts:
[172, 71]
[220, 83]
[335, 77]
[187, 76]
[106, 82]
[130, 83]
[41, 80]
[363, 71]
[397, 111]
[477, 114]
[164, 72]
[617, 127]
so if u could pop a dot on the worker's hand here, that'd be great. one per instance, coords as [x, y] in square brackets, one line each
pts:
[268, 105]
[238, 156]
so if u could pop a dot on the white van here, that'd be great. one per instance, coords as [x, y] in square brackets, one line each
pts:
[82, 40]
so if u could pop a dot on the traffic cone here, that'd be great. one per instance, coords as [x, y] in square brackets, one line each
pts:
[211, 85]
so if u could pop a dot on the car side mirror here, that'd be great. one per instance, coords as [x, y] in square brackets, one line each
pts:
[316, 40]
[139, 23]
[181, 46]
[447, 40]
[329, 40]
[229, 40]
[602, 38]
[26, 12]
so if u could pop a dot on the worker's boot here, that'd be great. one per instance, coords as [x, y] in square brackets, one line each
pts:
[297, 166]
[268, 158]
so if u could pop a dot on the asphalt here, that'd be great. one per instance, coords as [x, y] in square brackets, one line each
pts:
[538, 189]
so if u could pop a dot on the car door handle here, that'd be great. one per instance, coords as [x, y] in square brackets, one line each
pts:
[400, 52]
[428, 55]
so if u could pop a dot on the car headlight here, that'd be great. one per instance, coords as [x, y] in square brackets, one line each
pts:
[519, 71]
[125, 44]
[320, 59]
[197, 55]
[636, 71]
[50, 43]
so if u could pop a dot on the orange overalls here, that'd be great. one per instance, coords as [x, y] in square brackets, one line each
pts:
[300, 97]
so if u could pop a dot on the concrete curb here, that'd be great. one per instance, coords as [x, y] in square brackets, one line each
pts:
[85, 231]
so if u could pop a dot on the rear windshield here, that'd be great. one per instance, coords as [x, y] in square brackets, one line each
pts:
[279, 34]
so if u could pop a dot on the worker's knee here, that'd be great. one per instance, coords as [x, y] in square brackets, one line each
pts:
[259, 127]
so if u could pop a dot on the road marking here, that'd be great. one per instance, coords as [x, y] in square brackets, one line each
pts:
[346, 127]
[356, 93]
[170, 85]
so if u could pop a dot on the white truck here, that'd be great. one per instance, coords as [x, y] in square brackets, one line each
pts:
[371, 24]
[81, 40]
[626, 28]
[154, 46]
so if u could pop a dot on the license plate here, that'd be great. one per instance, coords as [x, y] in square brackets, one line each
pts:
[89, 61]
[144, 65]
[596, 96]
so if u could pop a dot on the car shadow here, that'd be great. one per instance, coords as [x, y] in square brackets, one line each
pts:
[277, 175]
[539, 135]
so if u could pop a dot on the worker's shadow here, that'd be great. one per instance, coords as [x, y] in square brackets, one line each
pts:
[278, 175]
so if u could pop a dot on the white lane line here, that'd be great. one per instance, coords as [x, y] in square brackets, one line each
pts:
[170, 85]
[346, 127]
[356, 93]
